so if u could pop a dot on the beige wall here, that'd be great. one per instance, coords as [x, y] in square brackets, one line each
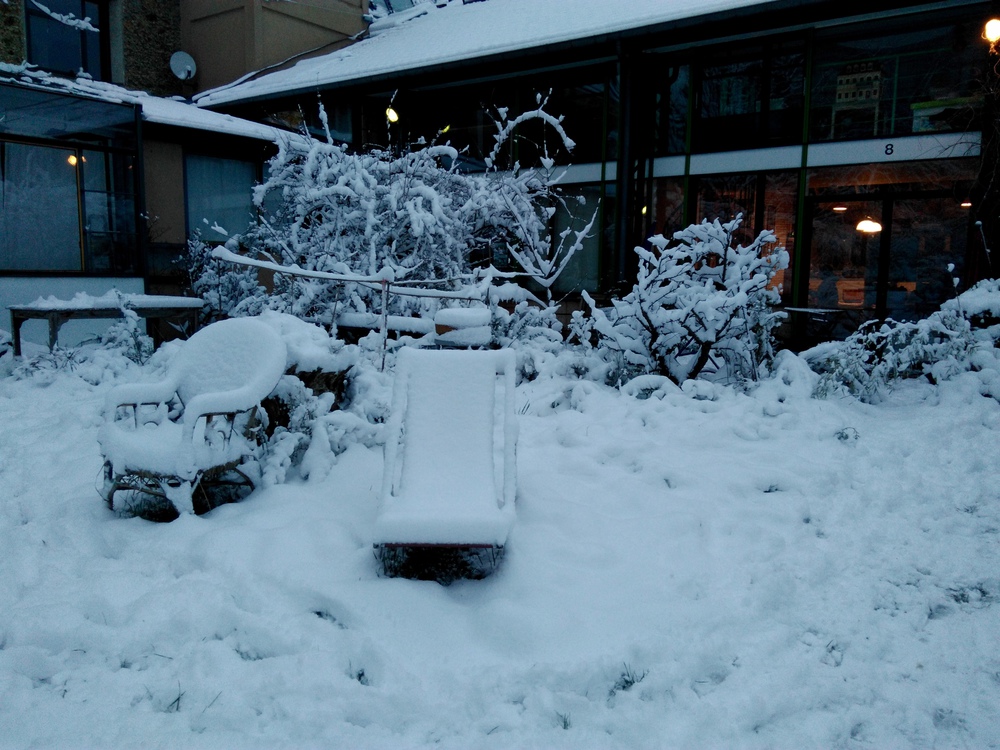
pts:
[229, 38]
[164, 170]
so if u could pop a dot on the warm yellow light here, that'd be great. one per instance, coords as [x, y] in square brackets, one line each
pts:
[966, 204]
[391, 115]
[444, 130]
[644, 210]
[869, 227]
[72, 160]
[840, 209]
[991, 33]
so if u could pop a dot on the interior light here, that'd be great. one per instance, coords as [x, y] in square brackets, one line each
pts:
[72, 160]
[840, 209]
[991, 32]
[868, 226]
[391, 115]
[966, 204]
[644, 210]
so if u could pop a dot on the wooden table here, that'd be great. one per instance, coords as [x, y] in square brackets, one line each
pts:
[113, 305]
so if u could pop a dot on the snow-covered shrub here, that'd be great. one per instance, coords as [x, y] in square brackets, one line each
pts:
[697, 301]
[227, 290]
[939, 347]
[319, 368]
[411, 217]
[128, 337]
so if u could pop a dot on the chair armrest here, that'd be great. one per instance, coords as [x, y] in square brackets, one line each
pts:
[134, 394]
[218, 403]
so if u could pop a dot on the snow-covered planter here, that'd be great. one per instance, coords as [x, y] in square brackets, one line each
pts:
[698, 300]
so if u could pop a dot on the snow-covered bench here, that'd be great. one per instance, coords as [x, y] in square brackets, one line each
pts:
[450, 465]
[167, 443]
[110, 305]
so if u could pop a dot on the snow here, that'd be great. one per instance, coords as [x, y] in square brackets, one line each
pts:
[701, 568]
[82, 24]
[433, 36]
[112, 299]
[444, 414]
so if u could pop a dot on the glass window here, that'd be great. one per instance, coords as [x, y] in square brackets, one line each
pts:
[900, 270]
[911, 82]
[219, 192]
[39, 209]
[45, 115]
[672, 110]
[583, 269]
[665, 214]
[109, 212]
[464, 117]
[750, 101]
[766, 200]
[64, 36]
[920, 252]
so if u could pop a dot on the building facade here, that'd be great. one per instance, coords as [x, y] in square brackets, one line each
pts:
[101, 184]
[805, 117]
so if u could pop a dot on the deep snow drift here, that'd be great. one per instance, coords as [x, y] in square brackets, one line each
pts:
[705, 569]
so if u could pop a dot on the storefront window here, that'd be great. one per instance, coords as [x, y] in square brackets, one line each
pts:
[750, 101]
[467, 116]
[911, 82]
[901, 262]
[767, 202]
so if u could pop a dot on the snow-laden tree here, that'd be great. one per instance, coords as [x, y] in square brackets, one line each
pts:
[518, 204]
[698, 299]
[413, 217]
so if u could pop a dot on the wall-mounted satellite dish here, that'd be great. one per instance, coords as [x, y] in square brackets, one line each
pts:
[183, 66]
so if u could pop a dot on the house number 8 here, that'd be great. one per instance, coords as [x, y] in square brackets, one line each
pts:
[889, 149]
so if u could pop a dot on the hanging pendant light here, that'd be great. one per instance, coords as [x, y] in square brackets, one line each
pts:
[869, 226]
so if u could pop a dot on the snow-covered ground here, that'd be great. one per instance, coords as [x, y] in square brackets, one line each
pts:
[707, 569]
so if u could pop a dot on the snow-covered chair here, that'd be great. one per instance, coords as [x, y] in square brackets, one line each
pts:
[192, 440]
[450, 465]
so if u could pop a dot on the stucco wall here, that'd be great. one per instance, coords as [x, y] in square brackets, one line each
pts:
[12, 32]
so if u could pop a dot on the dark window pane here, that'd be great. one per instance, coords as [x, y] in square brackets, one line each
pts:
[928, 235]
[583, 269]
[666, 213]
[219, 192]
[750, 102]
[39, 209]
[915, 81]
[672, 110]
[64, 40]
[844, 261]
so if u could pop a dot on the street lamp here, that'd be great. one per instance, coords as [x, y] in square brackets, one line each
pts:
[991, 32]
[868, 226]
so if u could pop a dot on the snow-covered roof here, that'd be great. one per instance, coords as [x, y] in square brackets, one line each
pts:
[176, 112]
[429, 35]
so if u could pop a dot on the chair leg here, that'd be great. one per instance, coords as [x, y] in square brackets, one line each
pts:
[180, 492]
[228, 484]
[138, 495]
